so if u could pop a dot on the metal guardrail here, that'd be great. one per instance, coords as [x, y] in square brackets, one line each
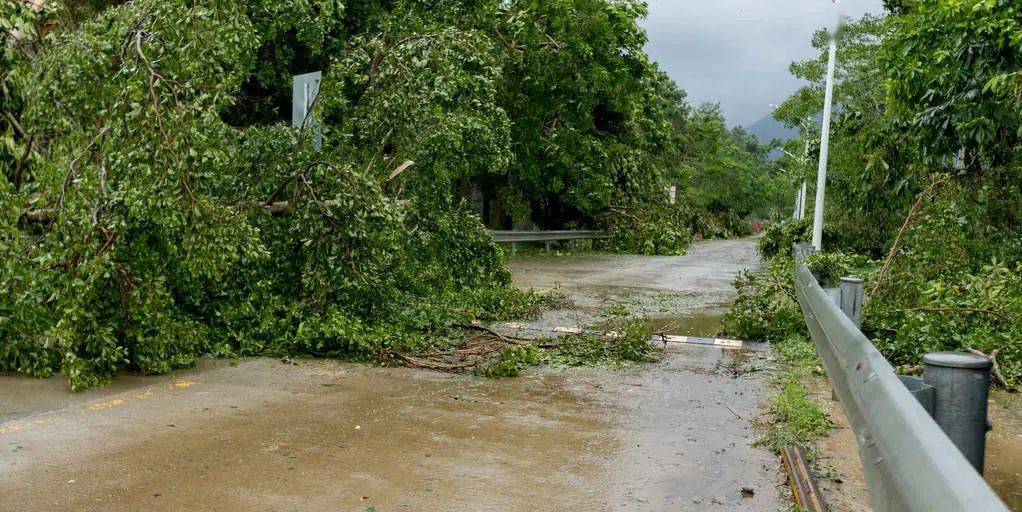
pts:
[514, 237]
[544, 236]
[909, 463]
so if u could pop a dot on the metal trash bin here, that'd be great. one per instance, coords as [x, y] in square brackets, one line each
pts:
[961, 384]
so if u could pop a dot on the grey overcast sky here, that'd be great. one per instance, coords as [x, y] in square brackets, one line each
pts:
[736, 52]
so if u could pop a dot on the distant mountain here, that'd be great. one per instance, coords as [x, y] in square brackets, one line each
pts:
[768, 129]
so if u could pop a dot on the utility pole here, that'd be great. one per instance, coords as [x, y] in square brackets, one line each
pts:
[821, 176]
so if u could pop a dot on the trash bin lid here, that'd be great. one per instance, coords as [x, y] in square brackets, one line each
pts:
[956, 360]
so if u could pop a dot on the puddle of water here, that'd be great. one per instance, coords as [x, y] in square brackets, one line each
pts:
[702, 325]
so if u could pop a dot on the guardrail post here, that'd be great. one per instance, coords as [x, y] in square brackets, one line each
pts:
[574, 245]
[834, 294]
[851, 299]
[921, 391]
[547, 245]
[961, 383]
[514, 248]
[804, 249]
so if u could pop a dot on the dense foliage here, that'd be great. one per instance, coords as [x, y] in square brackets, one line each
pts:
[778, 239]
[156, 208]
[924, 177]
[650, 229]
[766, 308]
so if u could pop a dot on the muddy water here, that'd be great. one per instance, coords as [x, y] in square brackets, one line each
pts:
[647, 284]
[333, 436]
[704, 324]
[323, 435]
[327, 437]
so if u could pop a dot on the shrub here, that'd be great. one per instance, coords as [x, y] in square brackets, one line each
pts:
[978, 310]
[830, 267]
[512, 361]
[766, 308]
[654, 230]
[708, 224]
[778, 238]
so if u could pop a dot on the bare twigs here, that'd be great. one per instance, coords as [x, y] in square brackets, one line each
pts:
[429, 364]
[623, 211]
[478, 348]
[168, 142]
[308, 116]
[324, 208]
[511, 340]
[732, 411]
[153, 76]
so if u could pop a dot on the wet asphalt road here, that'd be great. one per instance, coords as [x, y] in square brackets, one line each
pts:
[325, 435]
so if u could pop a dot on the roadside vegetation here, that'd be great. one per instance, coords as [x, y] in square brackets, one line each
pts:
[795, 419]
[157, 206]
[924, 182]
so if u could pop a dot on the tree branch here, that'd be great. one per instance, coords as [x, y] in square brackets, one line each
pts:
[901, 232]
[69, 177]
[21, 163]
[995, 368]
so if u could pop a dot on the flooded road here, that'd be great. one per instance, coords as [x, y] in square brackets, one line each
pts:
[259, 434]
[695, 282]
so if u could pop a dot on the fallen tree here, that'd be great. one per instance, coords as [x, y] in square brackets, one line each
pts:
[142, 147]
[124, 243]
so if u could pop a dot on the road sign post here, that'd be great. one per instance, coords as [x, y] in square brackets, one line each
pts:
[305, 92]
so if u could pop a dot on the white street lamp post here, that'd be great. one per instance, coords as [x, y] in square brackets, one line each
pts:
[821, 177]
